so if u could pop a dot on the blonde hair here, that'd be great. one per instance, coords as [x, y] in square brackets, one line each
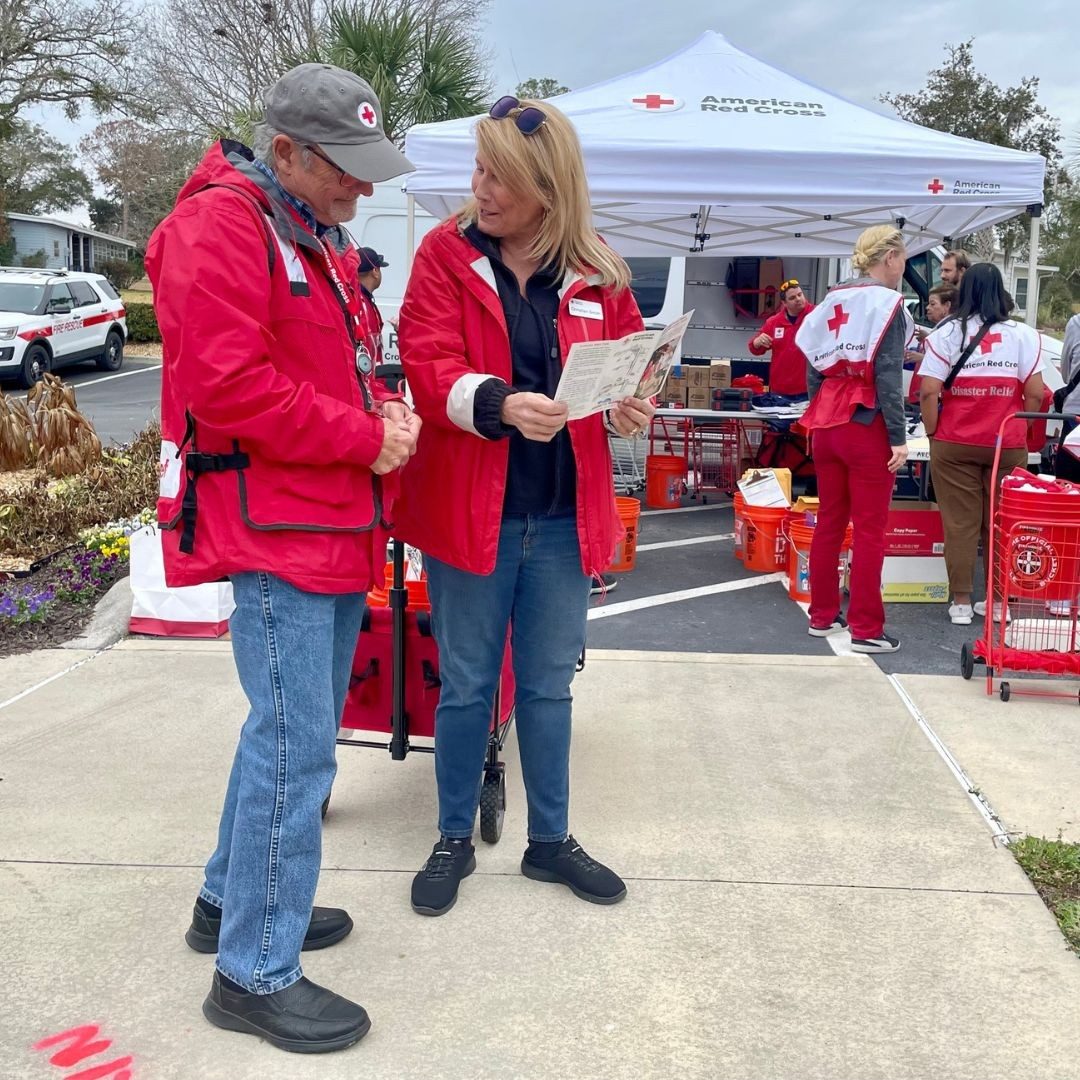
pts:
[548, 166]
[874, 244]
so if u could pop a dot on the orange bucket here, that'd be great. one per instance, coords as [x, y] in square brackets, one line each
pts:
[418, 593]
[800, 537]
[740, 525]
[629, 511]
[665, 479]
[764, 540]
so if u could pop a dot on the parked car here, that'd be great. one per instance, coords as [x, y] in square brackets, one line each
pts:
[52, 318]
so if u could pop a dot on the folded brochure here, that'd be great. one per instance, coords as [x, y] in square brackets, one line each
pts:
[597, 374]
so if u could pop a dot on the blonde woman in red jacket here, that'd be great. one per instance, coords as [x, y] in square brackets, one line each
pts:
[512, 505]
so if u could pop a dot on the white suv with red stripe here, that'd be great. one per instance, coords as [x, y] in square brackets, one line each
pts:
[49, 318]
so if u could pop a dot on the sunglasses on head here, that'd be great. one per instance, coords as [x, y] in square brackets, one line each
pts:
[792, 284]
[528, 120]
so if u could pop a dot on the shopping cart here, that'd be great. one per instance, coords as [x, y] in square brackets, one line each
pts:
[715, 451]
[1033, 585]
[394, 690]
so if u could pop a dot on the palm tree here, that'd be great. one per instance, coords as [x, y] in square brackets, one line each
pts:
[423, 66]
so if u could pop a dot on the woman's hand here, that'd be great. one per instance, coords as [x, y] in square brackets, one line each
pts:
[536, 416]
[631, 416]
[899, 456]
[763, 341]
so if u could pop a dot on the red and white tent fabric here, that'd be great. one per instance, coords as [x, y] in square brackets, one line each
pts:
[714, 151]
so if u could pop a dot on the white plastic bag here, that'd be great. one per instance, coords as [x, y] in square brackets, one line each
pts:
[192, 611]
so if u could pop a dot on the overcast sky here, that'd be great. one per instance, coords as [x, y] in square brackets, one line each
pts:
[856, 49]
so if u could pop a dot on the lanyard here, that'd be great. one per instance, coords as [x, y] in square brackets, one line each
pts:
[350, 308]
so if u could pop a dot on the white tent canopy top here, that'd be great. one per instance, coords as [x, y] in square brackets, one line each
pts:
[712, 150]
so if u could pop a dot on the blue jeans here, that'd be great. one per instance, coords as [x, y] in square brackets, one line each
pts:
[293, 653]
[538, 589]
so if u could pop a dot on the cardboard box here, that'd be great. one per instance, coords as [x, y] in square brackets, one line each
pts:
[699, 397]
[914, 529]
[913, 579]
[697, 377]
[674, 389]
[720, 374]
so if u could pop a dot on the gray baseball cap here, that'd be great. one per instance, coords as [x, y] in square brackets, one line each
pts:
[338, 112]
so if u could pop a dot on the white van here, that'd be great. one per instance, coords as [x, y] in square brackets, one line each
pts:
[665, 287]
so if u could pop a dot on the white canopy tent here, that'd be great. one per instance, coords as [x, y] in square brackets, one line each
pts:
[714, 151]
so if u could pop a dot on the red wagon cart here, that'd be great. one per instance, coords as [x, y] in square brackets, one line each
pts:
[1033, 582]
[394, 688]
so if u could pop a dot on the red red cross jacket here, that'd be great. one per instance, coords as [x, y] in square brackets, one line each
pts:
[267, 434]
[787, 369]
[453, 337]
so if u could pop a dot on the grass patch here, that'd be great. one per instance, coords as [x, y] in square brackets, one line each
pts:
[1054, 869]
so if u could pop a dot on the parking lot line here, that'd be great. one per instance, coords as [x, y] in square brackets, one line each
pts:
[106, 378]
[642, 602]
[686, 543]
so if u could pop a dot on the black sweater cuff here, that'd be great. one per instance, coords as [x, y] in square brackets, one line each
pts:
[487, 407]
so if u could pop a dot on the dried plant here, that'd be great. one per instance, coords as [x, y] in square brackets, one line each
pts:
[16, 442]
[67, 444]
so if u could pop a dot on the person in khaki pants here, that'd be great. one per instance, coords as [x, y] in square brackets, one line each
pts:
[980, 367]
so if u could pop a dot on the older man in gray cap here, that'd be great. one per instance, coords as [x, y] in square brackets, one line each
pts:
[279, 467]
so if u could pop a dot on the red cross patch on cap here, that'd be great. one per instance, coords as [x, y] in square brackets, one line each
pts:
[367, 115]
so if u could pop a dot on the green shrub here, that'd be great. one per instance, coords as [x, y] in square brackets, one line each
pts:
[141, 322]
[121, 272]
[34, 259]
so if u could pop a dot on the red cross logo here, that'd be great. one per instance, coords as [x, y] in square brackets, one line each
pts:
[654, 102]
[988, 342]
[838, 321]
[935, 187]
[367, 115]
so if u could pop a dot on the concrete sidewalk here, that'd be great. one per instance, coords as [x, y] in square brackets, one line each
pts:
[812, 895]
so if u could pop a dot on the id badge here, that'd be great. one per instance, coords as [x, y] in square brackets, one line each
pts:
[363, 360]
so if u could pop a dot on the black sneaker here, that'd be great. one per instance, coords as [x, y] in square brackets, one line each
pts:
[569, 865]
[881, 644]
[603, 583]
[303, 1018]
[838, 624]
[434, 889]
[328, 926]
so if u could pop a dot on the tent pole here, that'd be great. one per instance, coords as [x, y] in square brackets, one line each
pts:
[410, 234]
[1032, 314]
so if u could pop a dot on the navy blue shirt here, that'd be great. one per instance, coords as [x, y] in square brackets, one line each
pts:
[542, 478]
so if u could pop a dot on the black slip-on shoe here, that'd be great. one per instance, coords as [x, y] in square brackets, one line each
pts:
[304, 1018]
[572, 867]
[435, 887]
[328, 926]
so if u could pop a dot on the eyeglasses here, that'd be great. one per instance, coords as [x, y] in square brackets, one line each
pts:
[793, 283]
[528, 120]
[342, 174]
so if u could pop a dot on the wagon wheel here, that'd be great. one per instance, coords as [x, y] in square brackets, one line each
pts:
[967, 660]
[492, 804]
[1006, 691]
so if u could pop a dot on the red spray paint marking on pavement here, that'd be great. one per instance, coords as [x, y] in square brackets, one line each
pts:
[82, 1043]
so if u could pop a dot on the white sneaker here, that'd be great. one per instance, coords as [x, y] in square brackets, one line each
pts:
[960, 614]
[979, 608]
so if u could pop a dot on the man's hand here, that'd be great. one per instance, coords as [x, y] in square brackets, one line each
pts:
[399, 412]
[536, 416]
[899, 456]
[399, 444]
[763, 341]
[631, 416]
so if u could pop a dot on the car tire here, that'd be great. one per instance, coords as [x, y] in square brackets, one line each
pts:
[37, 362]
[113, 357]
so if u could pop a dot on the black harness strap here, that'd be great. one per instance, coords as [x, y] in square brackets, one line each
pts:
[196, 464]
